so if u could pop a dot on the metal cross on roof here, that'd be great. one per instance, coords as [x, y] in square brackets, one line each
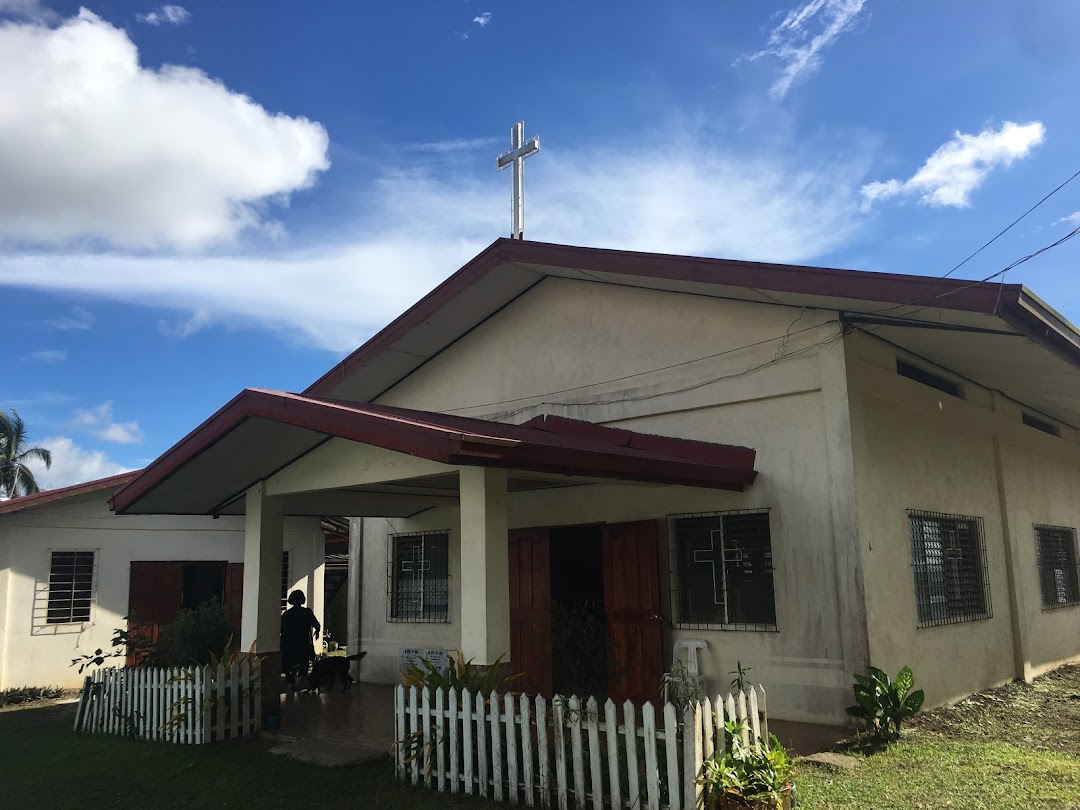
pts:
[515, 157]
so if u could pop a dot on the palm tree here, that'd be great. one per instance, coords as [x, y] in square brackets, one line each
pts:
[15, 477]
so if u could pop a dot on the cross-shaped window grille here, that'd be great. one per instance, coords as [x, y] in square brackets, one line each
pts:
[1057, 566]
[722, 570]
[418, 577]
[949, 562]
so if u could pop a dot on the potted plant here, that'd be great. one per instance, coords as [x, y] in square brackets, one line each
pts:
[757, 776]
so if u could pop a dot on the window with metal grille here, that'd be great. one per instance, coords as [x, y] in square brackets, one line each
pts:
[418, 577]
[72, 578]
[722, 568]
[949, 560]
[1057, 566]
[286, 578]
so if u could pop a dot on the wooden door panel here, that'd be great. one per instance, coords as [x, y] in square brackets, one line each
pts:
[155, 594]
[632, 608]
[530, 610]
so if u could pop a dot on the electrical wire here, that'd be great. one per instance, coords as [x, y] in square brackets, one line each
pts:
[787, 335]
[1000, 233]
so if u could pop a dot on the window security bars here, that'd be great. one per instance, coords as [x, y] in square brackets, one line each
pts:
[722, 571]
[949, 561]
[1058, 576]
[286, 579]
[72, 577]
[418, 577]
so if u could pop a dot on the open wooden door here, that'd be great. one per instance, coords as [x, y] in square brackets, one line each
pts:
[155, 594]
[530, 610]
[632, 609]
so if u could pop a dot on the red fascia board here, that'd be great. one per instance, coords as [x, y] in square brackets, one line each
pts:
[74, 491]
[886, 288]
[437, 437]
[690, 449]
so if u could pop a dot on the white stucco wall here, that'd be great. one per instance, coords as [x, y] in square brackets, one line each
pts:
[38, 656]
[566, 334]
[917, 448]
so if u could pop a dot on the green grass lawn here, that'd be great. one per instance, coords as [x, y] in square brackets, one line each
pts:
[1016, 747]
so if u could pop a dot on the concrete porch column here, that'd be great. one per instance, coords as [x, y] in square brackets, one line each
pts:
[264, 530]
[483, 578]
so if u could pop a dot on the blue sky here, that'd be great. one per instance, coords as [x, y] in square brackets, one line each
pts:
[203, 197]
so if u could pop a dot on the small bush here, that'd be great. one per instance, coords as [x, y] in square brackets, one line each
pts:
[29, 694]
[195, 635]
[884, 703]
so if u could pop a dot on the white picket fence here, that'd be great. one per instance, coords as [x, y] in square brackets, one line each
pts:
[563, 752]
[180, 705]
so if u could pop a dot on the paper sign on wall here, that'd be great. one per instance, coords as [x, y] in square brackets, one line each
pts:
[412, 656]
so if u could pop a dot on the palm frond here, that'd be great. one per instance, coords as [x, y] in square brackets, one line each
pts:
[35, 453]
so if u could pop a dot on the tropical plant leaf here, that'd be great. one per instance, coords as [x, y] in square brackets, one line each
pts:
[904, 681]
[913, 702]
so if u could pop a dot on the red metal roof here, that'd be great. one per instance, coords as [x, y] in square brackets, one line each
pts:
[54, 495]
[1011, 302]
[561, 446]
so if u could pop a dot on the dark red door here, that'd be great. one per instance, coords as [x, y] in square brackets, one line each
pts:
[632, 609]
[530, 610]
[155, 595]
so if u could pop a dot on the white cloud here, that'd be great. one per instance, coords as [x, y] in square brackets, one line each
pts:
[801, 37]
[132, 156]
[1071, 219]
[78, 320]
[684, 195]
[186, 327]
[32, 10]
[173, 15]
[959, 166]
[453, 145]
[49, 355]
[482, 19]
[99, 421]
[72, 464]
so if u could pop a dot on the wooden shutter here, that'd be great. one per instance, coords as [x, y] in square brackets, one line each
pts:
[530, 610]
[632, 609]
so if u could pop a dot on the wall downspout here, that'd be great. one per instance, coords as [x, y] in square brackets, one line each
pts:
[355, 590]
[1021, 662]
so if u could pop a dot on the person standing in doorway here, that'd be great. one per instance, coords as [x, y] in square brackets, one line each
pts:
[298, 630]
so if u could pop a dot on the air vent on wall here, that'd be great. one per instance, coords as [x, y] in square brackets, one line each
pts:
[921, 375]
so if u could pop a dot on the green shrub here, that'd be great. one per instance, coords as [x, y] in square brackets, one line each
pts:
[195, 636]
[29, 694]
[758, 775]
[884, 703]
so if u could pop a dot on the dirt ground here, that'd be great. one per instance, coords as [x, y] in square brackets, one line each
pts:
[1044, 715]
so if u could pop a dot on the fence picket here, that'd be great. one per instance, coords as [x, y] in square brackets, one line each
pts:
[755, 721]
[764, 715]
[234, 694]
[467, 738]
[543, 760]
[707, 733]
[652, 771]
[527, 773]
[578, 760]
[558, 707]
[611, 732]
[592, 727]
[481, 746]
[510, 717]
[674, 773]
[742, 716]
[414, 723]
[692, 756]
[455, 774]
[399, 729]
[425, 727]
[244, 688]
[633, 792]
[496, 749]
[440, 740]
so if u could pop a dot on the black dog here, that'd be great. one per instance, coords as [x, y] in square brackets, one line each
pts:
[328, 669]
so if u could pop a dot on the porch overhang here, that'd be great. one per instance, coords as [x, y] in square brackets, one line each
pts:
[260, 433]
